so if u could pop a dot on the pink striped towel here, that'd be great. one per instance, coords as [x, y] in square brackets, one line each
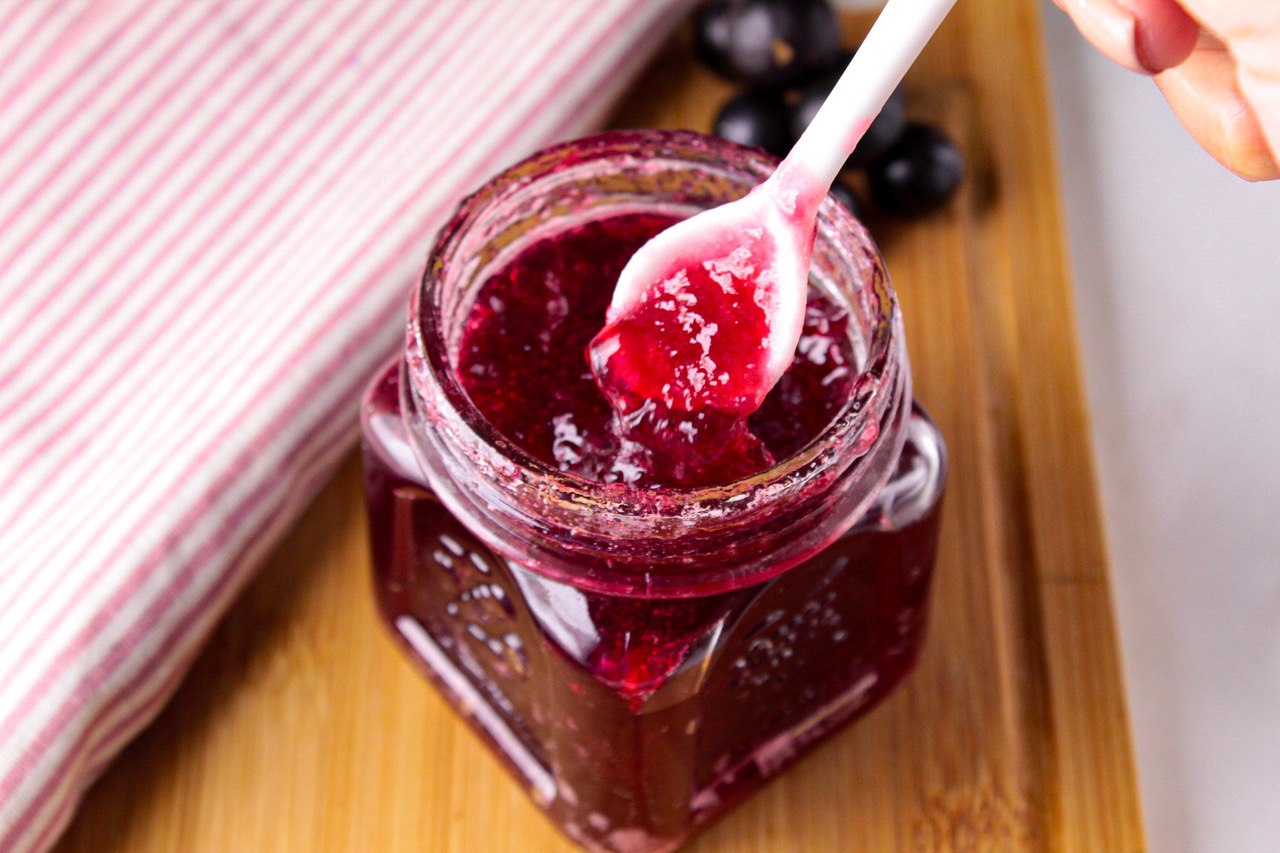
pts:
[210, 217]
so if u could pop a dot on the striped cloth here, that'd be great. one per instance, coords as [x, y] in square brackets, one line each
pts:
[211, 213]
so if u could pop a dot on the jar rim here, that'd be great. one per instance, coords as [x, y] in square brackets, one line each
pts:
[847, 438]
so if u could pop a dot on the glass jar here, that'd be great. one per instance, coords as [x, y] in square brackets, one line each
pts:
[641, 659]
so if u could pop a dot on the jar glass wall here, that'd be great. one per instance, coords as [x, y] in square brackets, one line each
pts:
[642, 659]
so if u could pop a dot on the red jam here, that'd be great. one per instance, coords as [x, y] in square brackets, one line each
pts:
[635, 715]
[523, 362]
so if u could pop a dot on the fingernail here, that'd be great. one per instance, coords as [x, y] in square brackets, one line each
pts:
[1164, 34]
[1147, 52]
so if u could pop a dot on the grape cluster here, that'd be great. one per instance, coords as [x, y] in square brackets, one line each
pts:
[787, 54]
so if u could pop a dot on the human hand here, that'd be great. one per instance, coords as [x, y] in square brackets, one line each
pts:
[1216, 61]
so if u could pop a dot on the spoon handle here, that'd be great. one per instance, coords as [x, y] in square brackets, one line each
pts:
[895, 40]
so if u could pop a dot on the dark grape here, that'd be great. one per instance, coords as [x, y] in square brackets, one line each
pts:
[918, 174]
[755, 117]
[879, 138]
[772, 43]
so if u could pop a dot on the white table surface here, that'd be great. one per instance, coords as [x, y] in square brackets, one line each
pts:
[1177, 270]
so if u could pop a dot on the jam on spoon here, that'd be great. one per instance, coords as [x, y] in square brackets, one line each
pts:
[706, 316]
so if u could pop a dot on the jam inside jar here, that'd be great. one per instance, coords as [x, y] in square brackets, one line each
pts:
[640, 655]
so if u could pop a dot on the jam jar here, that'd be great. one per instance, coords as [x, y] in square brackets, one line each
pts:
[642, 657]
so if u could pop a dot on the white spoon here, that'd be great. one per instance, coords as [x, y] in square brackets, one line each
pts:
[767, 235]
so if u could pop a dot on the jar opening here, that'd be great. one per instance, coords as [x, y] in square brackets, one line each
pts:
[625, 527]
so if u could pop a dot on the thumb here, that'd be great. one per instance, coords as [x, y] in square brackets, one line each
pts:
[1206, 94]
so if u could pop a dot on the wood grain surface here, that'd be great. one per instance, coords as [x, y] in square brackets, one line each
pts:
[301, 727]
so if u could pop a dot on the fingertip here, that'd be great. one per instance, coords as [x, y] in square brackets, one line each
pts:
[1109, 27]
[1146, 36]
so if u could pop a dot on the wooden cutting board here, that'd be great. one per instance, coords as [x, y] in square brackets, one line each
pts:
[302, 728]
